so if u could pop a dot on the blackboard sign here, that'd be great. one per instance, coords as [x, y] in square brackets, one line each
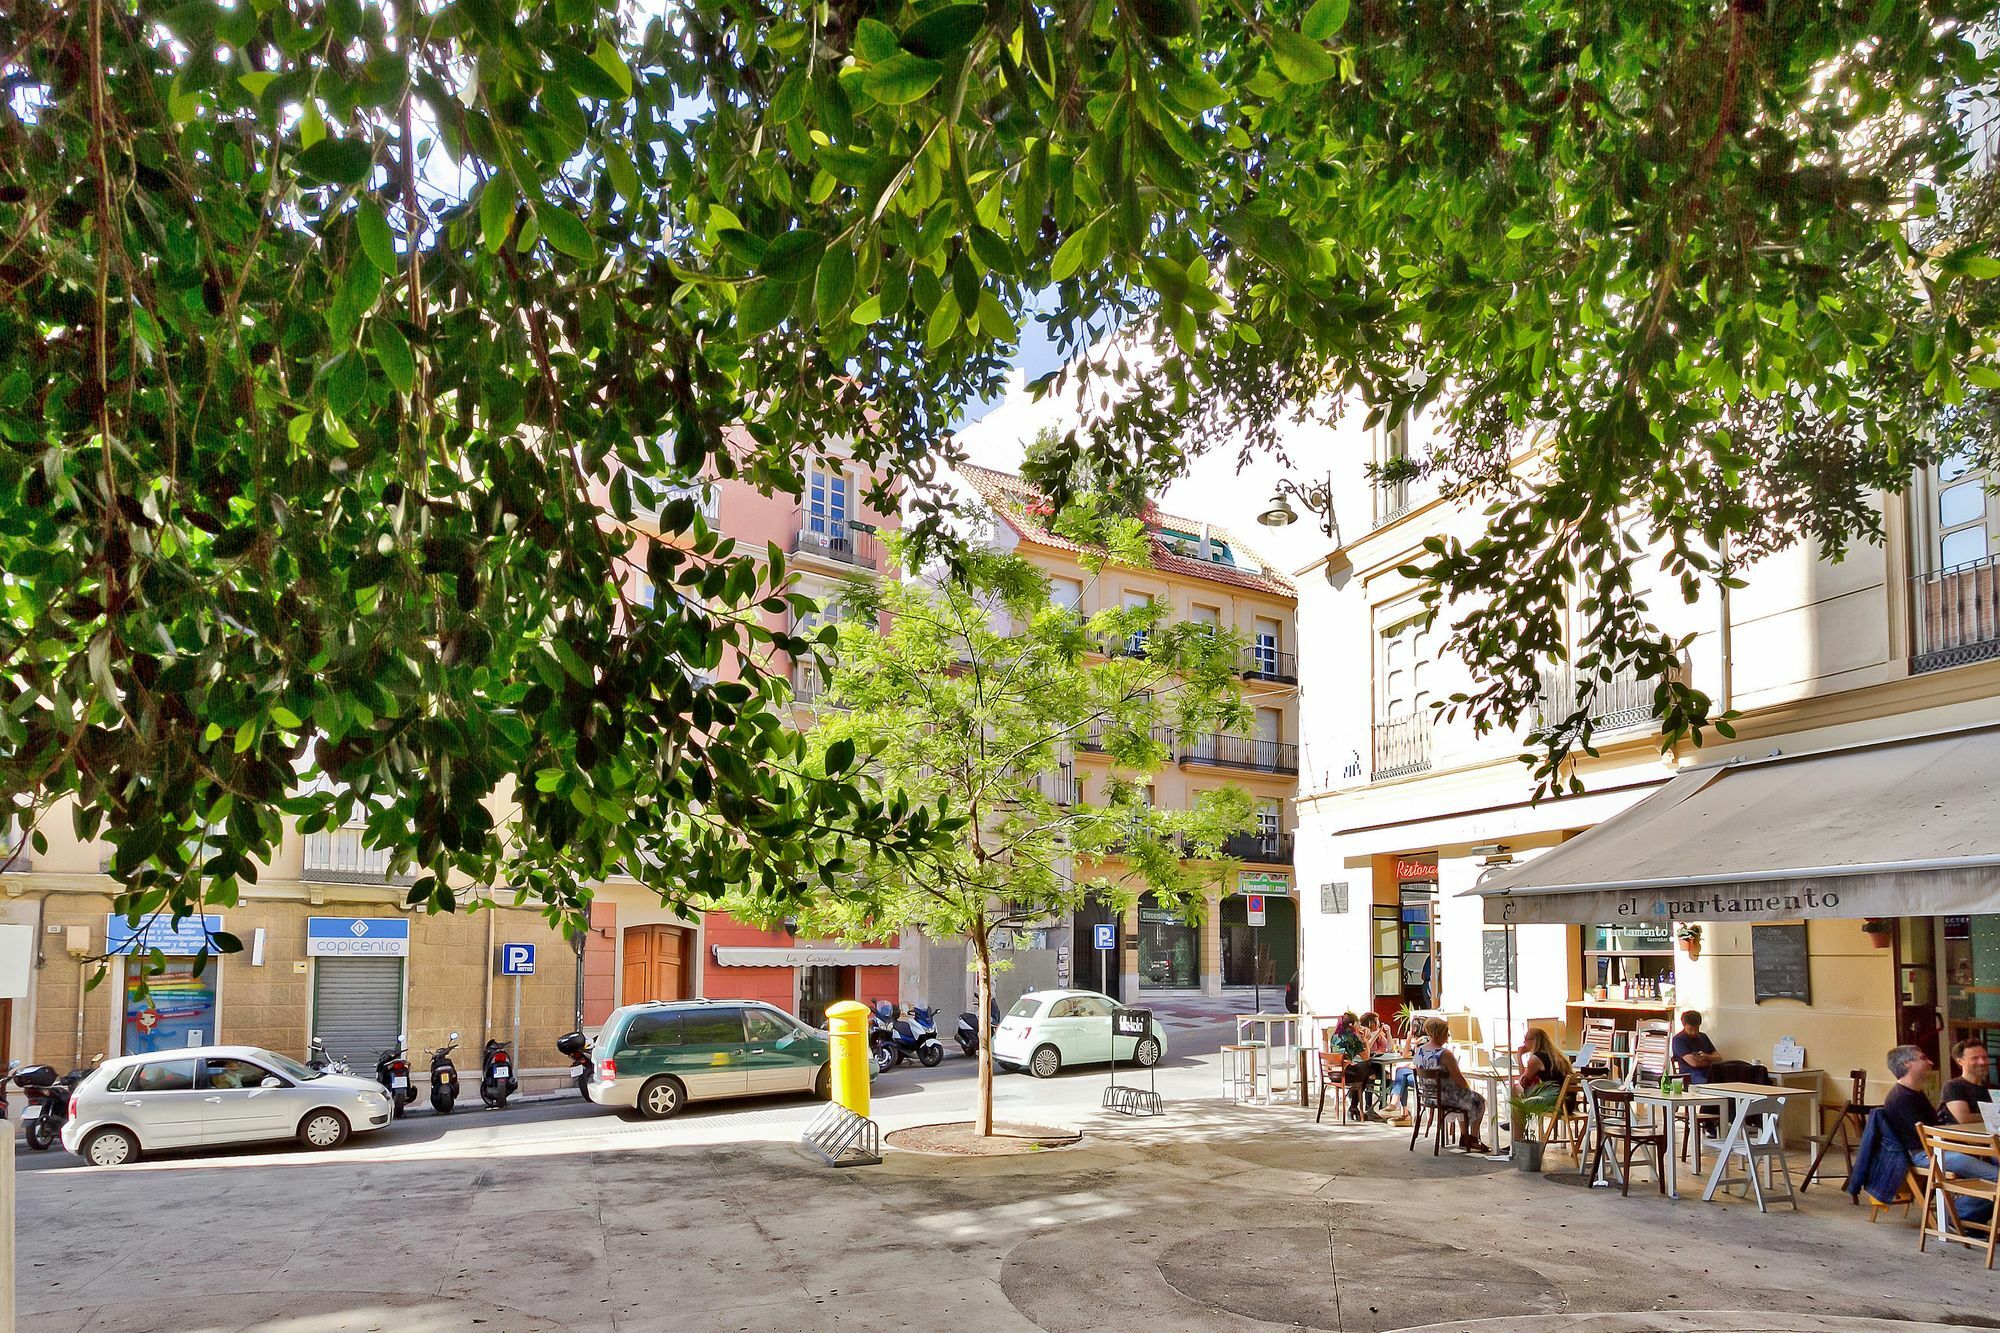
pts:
[1503, 964]
[1131, 1022]
[1781, 964]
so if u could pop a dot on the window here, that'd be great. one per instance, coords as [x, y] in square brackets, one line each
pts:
[1136, 644]
[1270, 818]
[164, 1076]
[121, 1080]
[652, 1030]
[1636, 952]
[1270, 725]
[1960, 513]
[1407, 651]
[1264, 647]
[228, 1074]
[719, 1026]
[764, 1025]
[1066, 592]
[1089, 1006]
[826, 502]
[1392, 497]
[1028, 1006]
[1208, 617]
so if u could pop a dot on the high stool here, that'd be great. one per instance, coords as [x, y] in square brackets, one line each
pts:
[1848, 1123]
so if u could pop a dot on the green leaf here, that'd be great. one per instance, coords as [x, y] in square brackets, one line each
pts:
[1324, 19]
[1069, 255]
[763, 304]
[875, 41]
[606, 58]
[943, 31]
[392, 349]
[286, 718]
[901, 79]
[257, 80]
[794, 256]
[1986, 377]
[565, 232]
[376, 242]
[840, 756]
[624, 175]
[834, 284]
[336, 161]
[1300, 59]
[496, 212]
[868, 312]
[312, 125]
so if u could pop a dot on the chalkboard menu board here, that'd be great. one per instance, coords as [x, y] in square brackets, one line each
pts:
[1503, 964]
[1781, 963]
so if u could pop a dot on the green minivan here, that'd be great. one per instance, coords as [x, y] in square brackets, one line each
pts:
[659, 1056]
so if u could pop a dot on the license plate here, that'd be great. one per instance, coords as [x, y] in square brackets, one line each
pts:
[398, 1081]
[31, 1113]
[444, 1078]
[499, 1071]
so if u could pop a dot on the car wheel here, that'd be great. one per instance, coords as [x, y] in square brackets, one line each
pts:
[661, 1098]
[1147, 1052]
[931, 1056]
[111, 1147]
[823, 1083]
[1046, 1062]
[323, 1129]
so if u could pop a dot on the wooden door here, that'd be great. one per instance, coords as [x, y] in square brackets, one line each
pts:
[655, 964]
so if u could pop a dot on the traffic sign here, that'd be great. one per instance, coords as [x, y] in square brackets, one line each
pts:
[1255, 904]
[517, 960]
[1106, 935]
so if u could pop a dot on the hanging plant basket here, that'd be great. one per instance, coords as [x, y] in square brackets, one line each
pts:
[1879, 932]
[1690, 939]
[1693, 948]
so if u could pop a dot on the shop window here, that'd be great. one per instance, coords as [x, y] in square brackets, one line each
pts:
[1169, 948]
[1638, 957]
[169, 1010]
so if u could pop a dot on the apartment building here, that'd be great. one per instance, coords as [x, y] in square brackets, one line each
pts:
[1206, 574]
[1869, 694]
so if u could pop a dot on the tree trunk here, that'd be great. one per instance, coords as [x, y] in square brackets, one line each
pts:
[983, 1116]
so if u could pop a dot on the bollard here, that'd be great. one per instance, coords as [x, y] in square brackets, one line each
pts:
[848, 1022]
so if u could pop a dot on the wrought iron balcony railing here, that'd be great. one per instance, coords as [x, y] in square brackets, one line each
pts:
[1956, 616]
[839, 541]
[1402, 746]
[1226, 751]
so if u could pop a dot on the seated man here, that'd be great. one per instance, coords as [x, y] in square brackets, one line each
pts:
[1962, 1097]
[1691, 1050]
[1908, 1106]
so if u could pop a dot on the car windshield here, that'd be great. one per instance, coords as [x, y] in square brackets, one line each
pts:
[287, 1066]
[1026, 1007]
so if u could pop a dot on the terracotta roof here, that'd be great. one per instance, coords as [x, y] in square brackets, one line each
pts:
[1022, 507]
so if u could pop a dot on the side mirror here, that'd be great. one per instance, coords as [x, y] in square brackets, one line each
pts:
[402, 1038]
[454, 1036]
[272, 1081]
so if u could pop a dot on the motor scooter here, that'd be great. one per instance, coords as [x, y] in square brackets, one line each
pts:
[882, 1051]
[48, 1100]
[496, 1077]
[318, 1059]
[577, 1047]
[916, 1037]
[968, 1029]
[392, 1071]
[444, 1078]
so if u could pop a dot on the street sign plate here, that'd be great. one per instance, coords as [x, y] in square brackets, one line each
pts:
[1106, 935]
[1255, 904]
[517, 960]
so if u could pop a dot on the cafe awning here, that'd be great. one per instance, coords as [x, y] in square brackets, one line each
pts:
[727, 955]
[1903, 827]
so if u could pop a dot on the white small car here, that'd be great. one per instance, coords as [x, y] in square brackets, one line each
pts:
[1048, 1030]
[214, 1095]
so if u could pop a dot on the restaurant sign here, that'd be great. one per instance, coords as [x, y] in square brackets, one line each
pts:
[1410, 869]
[1788, 900]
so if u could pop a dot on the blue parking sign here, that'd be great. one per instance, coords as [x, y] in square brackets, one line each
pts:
[517, 960]
[1106, 935]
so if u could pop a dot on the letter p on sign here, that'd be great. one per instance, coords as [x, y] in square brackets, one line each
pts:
[517, 960]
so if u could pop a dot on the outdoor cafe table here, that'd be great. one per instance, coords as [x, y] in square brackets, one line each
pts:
[1496, 1081]
[1692, 1101]
[1280, 1077]
[1743, 1094]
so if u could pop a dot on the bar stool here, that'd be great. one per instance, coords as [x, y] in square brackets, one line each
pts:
[1848, 1123]
[1240, 1062]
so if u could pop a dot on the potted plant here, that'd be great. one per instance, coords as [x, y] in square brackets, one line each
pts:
[1689, 934]
[1523, 1114]
[1406, 1017]
[1878, 931]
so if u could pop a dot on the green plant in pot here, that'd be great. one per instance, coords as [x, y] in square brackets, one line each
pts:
[1406, 1016]
[1524, 1115]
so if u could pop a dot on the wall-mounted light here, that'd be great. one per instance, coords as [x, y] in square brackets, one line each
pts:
[1316, 497]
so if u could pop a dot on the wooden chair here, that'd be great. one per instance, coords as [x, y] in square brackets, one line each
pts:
[1332, 1074]
[1604, 1035]
[1848, 1122]
[1564, 1123]
[1616, 1129]
[1908, 1193]
[1759, 1149]
[1946, 1189]
[1649, 1058]
[1431, 1109]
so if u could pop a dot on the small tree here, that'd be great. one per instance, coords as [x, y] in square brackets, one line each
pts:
[972, 698]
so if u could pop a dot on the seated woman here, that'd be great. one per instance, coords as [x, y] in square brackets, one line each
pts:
[1377, 1047]
[1346, 1038]
[1454, 1093]
[1542, 1069]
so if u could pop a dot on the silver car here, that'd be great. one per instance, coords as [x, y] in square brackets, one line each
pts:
[214, 1095]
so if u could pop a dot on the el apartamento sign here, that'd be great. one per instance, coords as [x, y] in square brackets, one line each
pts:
[1735, 902]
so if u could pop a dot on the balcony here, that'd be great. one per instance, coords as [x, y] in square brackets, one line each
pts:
[1262, 662]
[1059, 784]
[1619, 700]
[1225, 751]
[1956, 616]
[808, 683]
[841, 543]
[1092, 742]
[337, 856]
[1264, 849]
[1402, 746]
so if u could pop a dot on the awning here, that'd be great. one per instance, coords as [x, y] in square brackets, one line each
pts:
[804, 956]
[1895, 828]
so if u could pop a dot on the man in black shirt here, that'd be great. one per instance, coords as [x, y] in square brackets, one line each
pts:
[1907, 1106]
[1959, 1104]
[1691, 1049]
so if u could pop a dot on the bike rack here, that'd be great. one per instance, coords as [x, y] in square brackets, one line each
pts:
[842, 1138]
[1119, 1098]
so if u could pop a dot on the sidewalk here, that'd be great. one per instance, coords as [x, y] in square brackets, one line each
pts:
[1211, 1217]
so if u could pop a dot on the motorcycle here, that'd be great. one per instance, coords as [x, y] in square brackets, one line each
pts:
[967, 1032]
[496, 1079]
[916, 1037]
[318, 1060]
[48, 1100]
[444, 1077]
[882, 1050]
[392, 1071]
[577, 1047]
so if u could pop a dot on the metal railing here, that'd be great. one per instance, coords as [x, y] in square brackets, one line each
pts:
[1267, 663]
[1621, 699]
[1226, 751]
[1955, 616]
[1092, 740]
[839, 541]
[1402, 746]
[808, 683]
[337, 855]
[1266, 849]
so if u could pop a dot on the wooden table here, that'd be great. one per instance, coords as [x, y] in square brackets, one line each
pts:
[1692, 1101]
[1281, 1053]
[1743, 1094]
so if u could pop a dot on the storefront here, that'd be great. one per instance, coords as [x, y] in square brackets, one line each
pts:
[1169, 948]
[178, 1006]
[358, 983]
[1266, 955]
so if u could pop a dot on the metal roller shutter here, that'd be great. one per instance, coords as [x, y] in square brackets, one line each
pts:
[358, 1008]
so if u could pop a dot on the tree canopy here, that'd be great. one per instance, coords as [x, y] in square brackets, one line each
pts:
[339, 337]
